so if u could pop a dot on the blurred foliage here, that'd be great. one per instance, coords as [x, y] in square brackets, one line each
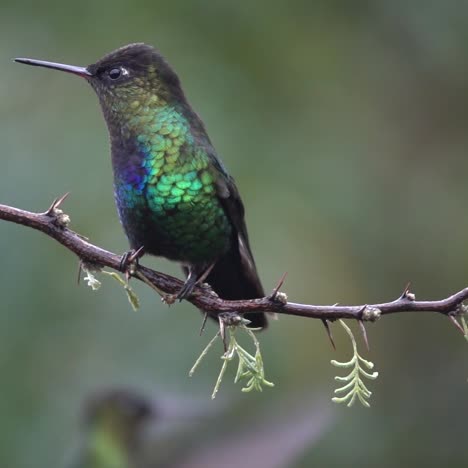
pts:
[344, 124]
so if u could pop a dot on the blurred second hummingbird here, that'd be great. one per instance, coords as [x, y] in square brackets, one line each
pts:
[174, 196]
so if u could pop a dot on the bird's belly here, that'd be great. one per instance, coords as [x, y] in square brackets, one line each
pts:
[191, 236]
[192, 231]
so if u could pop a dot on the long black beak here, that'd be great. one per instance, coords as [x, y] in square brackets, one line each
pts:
[80, 71]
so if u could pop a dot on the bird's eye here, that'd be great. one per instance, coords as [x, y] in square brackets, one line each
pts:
[115, 73]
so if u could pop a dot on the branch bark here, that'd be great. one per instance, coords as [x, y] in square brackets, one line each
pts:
[53, 224]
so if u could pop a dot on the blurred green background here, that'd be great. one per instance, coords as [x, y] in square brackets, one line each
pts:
[344, 124]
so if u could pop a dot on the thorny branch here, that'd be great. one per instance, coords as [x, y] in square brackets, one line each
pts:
[53, 223]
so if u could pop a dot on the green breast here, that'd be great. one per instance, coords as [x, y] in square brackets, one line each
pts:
[167, 193]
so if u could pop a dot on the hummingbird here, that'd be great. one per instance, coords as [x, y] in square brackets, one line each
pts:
[114, 425]
[121, 427]
[174, 196]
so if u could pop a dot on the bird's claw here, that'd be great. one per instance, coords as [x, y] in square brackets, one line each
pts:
[129, 261]
[187, 289]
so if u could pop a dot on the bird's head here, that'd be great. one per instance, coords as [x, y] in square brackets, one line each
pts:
[127, 79]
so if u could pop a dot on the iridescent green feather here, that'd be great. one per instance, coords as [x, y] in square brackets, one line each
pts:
[178, 185]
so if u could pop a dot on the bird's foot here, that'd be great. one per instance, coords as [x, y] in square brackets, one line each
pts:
[195, 277]
[187, 288]
[129, 262]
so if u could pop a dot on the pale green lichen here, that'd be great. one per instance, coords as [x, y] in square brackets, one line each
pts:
[250, 367]
[92, 281]
[354, 386]
[131, 295]
[95, 284]
[463, 318]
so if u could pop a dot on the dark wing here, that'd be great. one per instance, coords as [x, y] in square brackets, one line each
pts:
[234, 275]
[234, 208]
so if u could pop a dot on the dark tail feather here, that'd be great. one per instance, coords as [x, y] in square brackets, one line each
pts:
[235, 278]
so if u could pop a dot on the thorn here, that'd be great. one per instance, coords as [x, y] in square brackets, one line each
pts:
[202, 328]
[364, 333]
[329, 333]
[405, 290]
[362, 310]
[205, 274]
[136, 254]
[132, 262]
[80, 269]
[222, 332]
[456, 323]
[55, 204]
[275, 291]
[129, 262]
[406, 294]
[80, 235]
